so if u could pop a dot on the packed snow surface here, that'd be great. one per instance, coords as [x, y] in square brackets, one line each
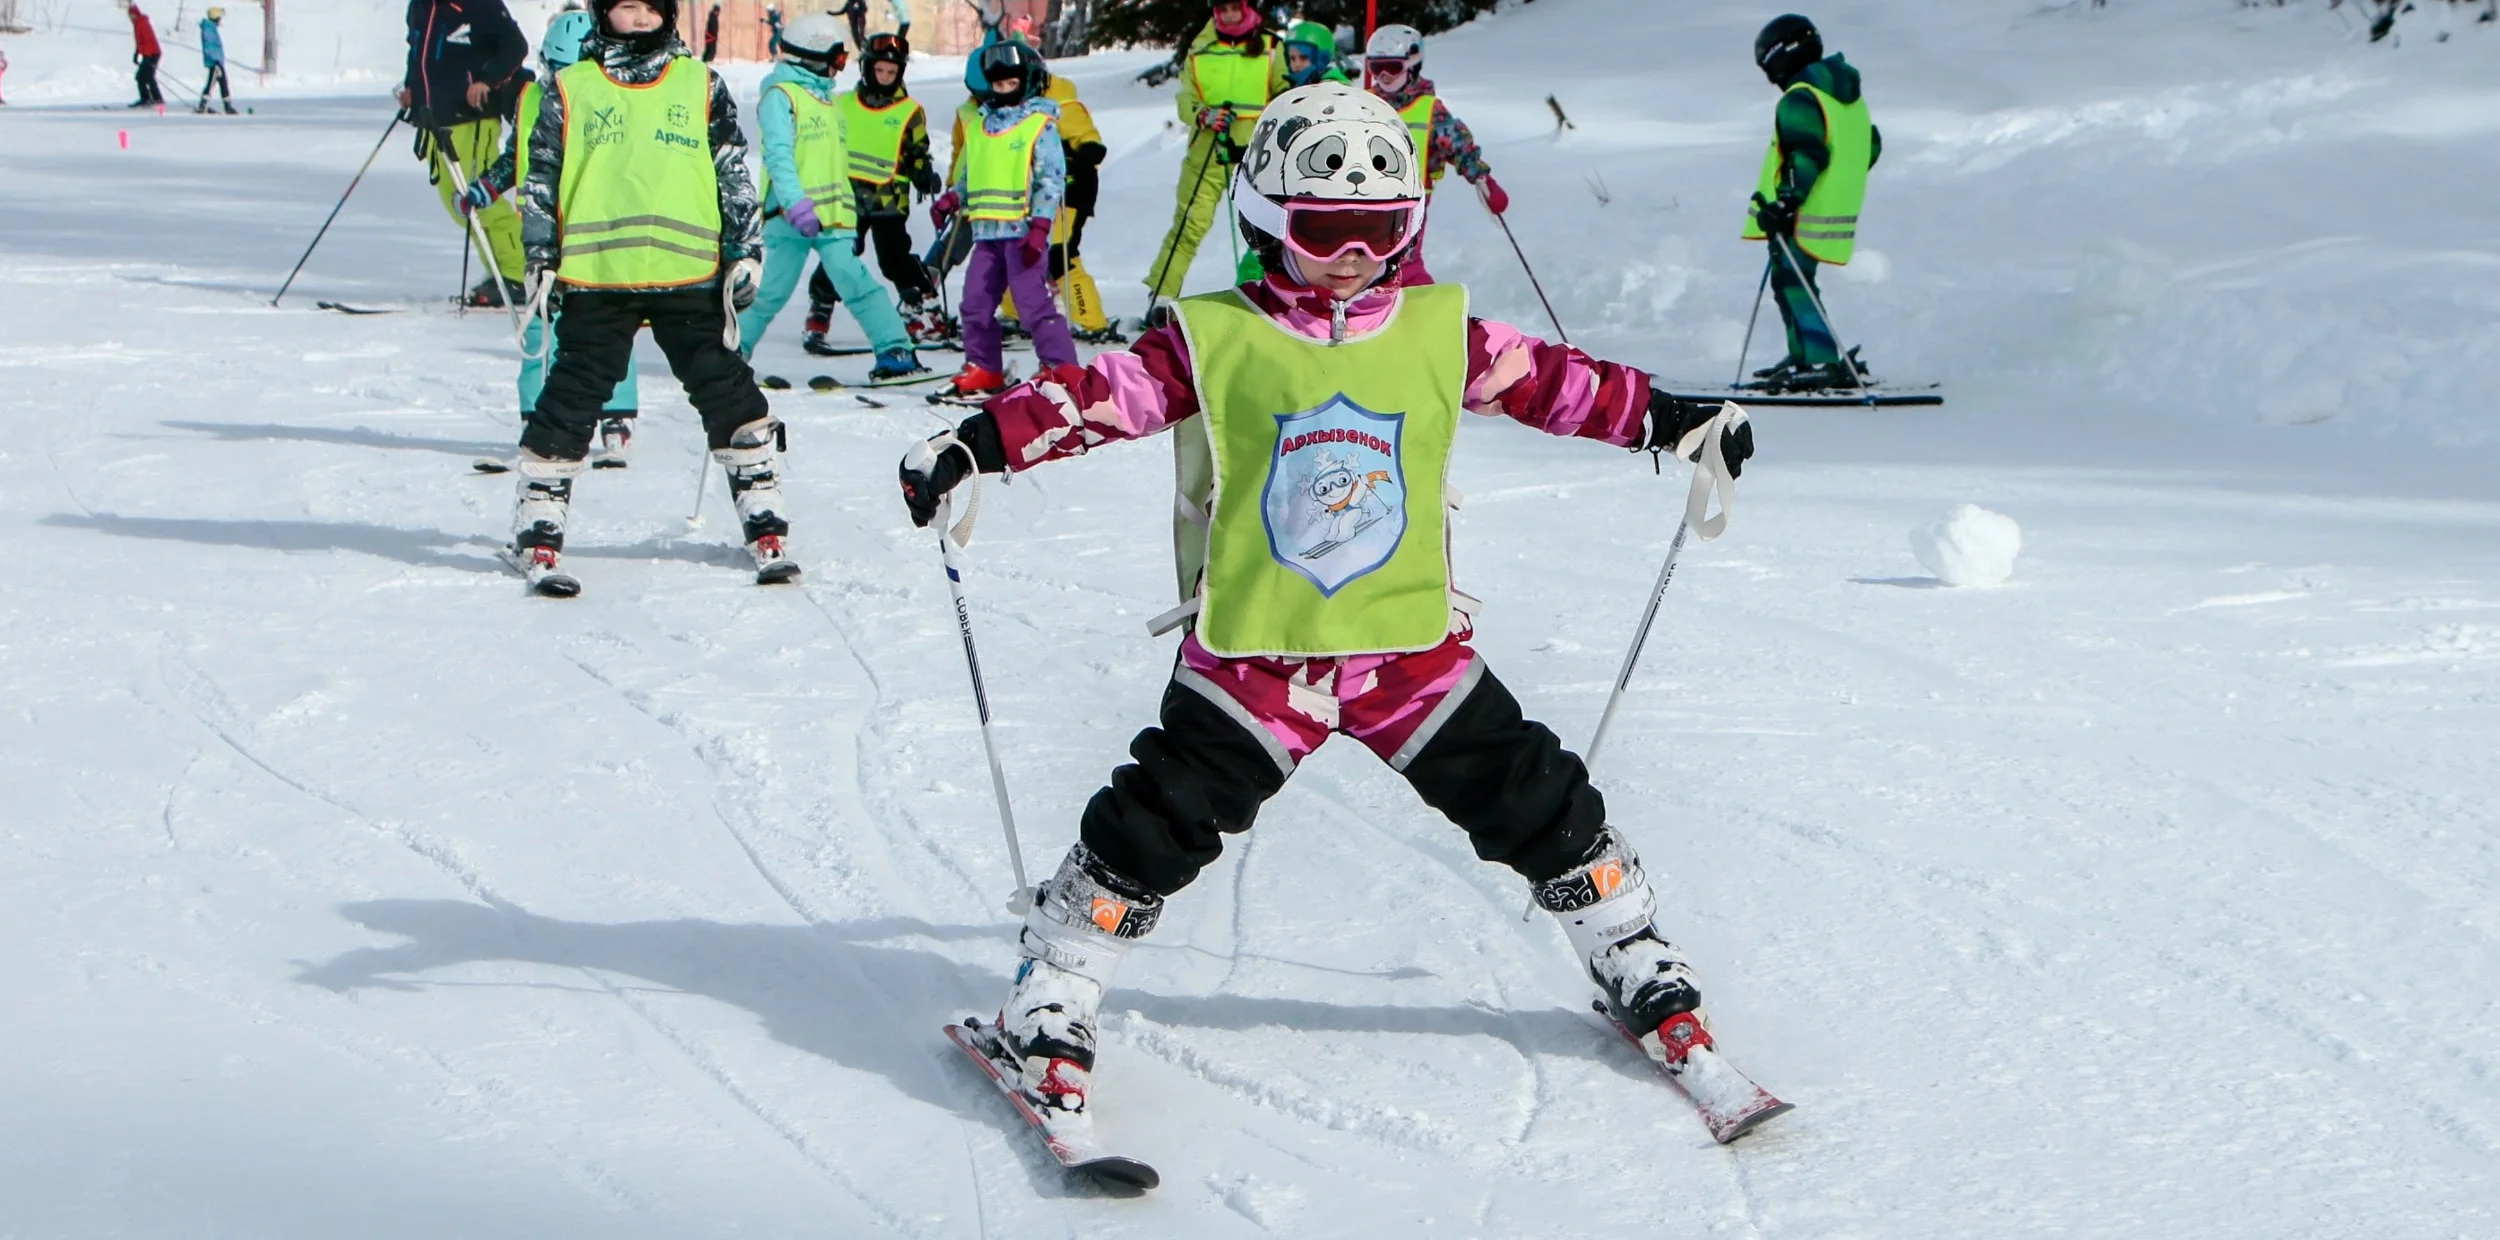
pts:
[1971, 546]
[349, 892]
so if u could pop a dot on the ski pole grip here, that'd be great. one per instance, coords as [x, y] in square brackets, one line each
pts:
[1710, 475]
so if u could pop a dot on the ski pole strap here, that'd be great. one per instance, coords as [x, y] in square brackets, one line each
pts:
[936, 448]
[1710, 474]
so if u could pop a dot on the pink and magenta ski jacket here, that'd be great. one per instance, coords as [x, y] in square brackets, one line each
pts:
[1069, 410]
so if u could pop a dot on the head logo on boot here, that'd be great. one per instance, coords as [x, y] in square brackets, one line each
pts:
[1108, 914]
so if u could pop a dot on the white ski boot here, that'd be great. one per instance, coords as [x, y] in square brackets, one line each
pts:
[1082, 924]
[752, 460]
[615, 446]
[543, 502]
[1607, 910]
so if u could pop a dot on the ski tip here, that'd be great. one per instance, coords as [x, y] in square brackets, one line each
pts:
[778, 574]
[556, 587]
[1124, 1176]
[1729, 1132]
[608, 463]
[485, 465]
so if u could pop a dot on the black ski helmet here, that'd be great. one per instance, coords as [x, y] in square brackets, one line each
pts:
[1786, 47]
[1009, 58]
[666, 8]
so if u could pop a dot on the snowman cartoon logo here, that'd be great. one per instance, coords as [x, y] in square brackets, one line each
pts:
[1335, 500]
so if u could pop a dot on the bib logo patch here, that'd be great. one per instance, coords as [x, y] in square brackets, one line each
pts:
[1335, 504]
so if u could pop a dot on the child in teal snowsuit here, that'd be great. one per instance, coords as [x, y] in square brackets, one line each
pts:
[808, 203]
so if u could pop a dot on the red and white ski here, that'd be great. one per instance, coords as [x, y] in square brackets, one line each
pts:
[1730, 1104]
[1070, 1138]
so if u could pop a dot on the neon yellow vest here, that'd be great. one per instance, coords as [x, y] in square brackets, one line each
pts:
[998, 169]
[816, 146]
[1418, 118]
[525, 122]
[639, 203]
[1235, 78]
[873, 137]
[1328, 534]
[1827, 221]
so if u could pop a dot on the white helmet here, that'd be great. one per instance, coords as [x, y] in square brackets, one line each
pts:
[1331, 142]
[813, 36]
[1399, 43]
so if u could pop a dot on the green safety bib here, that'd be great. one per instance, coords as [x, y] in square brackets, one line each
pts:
[1327, 533]
[873, 137]
[1231, 78]
[1418, 118]
[1827, 221]
[639, 203]
[998, 169]
[817, 148]
[525, 120]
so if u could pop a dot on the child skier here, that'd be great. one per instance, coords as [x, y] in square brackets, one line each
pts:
[1311, 54]
[886, 133]
[213, 57]
[1009, 186]
[145, 52]
[1314, 563]
[1233, 68]
[1393, 67]
[1807, 201]
[809, 205]
[558, 50]
[637, 209]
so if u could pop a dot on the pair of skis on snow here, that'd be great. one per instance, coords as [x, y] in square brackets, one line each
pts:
[1729, 1102]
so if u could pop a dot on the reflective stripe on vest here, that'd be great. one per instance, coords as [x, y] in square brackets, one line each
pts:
[998, 170]
[873, 137]
[639, 204]
[525, 123]
[1827, 221]
[1328, 534]
[1418, 118]
[1228, 77]
[816, 147]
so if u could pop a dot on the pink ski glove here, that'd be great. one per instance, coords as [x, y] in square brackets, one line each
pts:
[942, 212]
[1036, 242]
[1495, 200]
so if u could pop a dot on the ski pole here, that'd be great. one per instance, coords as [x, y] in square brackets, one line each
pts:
[1797, 269]
[1746, 350]
[334, 211]
[1709, 476]
[462, 297]
[702, 481]
[948, 542]
[1171, 244]
[460, 186]
[1550, 316]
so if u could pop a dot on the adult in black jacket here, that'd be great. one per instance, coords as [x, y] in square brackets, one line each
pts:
[464, 76]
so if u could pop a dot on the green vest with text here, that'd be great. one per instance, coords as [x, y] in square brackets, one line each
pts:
[1327, 533]
[639, 202]
[525, 122]
[816, 146]
[1827, 221]
[873, 137]
[1234, 77]
[998, 169]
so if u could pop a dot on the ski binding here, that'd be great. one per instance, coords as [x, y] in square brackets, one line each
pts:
[1730, 1104]
[1070, 1138]
[545, 579]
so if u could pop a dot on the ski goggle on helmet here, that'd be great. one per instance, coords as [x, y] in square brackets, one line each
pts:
[1332, 169]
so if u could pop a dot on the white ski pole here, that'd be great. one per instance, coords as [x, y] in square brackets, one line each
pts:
[949, 540]
[1855, 379]
[477, 231]
[1751, 320]
[1710, 477]
[702, 480]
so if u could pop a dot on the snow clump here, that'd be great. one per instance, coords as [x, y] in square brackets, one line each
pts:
[1970, 547]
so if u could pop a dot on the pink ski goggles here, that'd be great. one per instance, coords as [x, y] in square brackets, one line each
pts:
[1320, 231]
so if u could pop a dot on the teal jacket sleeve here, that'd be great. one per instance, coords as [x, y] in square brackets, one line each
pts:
[778, 125]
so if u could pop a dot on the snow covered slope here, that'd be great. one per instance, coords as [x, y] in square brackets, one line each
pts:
[2154, 893]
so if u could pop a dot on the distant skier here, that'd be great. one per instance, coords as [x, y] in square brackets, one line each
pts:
[146, 51]
[638, 210]
[1311, 54]
[463, 78]
[1312, 555]
[1813, 184]
[559, 49]
[1234, 66]
[213, 55]
[886, 133]
[1393, 68]
[810, 205]
[1010, 184]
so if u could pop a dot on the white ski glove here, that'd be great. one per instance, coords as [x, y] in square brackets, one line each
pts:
[745, 277]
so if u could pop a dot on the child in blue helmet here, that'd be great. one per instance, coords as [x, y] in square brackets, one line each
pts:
[557, 51]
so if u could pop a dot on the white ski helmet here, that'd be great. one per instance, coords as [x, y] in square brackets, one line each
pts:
[1404, 44]
[813, 36]
[1331, 142]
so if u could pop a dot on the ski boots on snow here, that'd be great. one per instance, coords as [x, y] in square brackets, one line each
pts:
[752, 461]
[1107, 334]
[930, 326]
[812, 338]
[1082, 923]
[1606, 907]
[970, 386]
[542, 504]
[482, 294]
[616, 442]
[897, 366]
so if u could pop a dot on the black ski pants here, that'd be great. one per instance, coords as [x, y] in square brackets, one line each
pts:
[895, 261]
[595, 347]
[1506, 780]
[217, 82]
[149, 91]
